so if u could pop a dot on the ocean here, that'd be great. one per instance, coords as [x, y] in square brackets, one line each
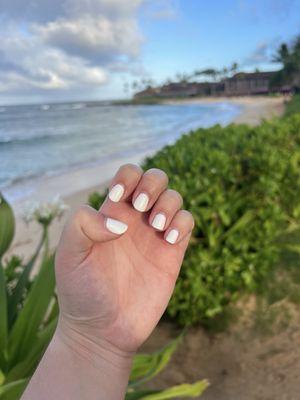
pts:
[50, 139]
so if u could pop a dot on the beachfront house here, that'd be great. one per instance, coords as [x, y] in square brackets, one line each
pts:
[248, 83]
[240, 84]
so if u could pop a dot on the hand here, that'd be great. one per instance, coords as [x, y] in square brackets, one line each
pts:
[116, 268]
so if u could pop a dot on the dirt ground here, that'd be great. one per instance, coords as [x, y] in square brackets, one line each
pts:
[258, 358]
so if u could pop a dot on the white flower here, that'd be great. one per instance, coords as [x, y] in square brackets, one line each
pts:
[45, 213]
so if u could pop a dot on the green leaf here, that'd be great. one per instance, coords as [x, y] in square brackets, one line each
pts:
[181, 391]
[26, 366]
[14, 390]
[24, 331]
[3, 316]
[2, 377]
[7, 225]
[295, 248]
[241, 223]
[7, 229]
[18, 292]
[146, 366]
[139, 395]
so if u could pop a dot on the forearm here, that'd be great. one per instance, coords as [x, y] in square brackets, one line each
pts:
[76, 368]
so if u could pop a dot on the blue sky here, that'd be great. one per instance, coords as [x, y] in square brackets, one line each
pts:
[57, 50]
[216, 33]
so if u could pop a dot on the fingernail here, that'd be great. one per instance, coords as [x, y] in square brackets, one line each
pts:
[172, 236]
[159, 221]
[141, 202]
[115, 194]
[115, 226]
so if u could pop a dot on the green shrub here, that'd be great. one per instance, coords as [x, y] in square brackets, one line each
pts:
[29, 312]
[242, 185]
[293, 106]
[95, 200]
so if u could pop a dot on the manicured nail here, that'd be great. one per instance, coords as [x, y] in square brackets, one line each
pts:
[172, 236]
[115, 226]
[115, 194]
[141, 202]
[159, 221]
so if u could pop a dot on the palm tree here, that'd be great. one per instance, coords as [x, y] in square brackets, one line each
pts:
[209, 72]
[282, 54]
[234, 67]
[289, 57]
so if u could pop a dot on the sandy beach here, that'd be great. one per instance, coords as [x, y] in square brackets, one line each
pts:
[75, 186]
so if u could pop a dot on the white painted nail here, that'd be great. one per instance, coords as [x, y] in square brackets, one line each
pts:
[115, 226]
[172, 236]
[159, 221]
[115, 194]
[141, 202]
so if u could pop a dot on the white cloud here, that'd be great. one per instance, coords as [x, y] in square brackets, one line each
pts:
[35, 66]
[95, 38]
[68, 45]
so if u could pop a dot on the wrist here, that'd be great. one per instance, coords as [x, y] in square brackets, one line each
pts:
[97, 352]
[79, 368]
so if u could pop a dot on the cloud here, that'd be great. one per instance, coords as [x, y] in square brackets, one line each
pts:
[262, 54]
[95, 38]
[259, 55]
[26, 63]
[64, 46]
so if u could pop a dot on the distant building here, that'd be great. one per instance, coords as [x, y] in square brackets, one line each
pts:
[241, 84]
[249, 83]
[148, 92]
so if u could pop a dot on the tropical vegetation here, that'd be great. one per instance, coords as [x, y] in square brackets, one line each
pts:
[289, 57]
[242, 185]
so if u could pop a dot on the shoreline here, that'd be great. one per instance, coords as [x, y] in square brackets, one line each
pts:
[76, 185]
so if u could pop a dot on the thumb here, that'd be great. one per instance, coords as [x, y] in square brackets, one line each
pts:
[85, 227]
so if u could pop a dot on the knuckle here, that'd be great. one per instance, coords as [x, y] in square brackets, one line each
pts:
[81, 212]
[154, 174]
[176, 196]
[130, 169]
[188, 216]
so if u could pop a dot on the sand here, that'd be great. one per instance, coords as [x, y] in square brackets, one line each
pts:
[243, 363]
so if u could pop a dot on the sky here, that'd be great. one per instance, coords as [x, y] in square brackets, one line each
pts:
[62, 50]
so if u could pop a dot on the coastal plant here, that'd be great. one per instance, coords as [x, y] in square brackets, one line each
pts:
[293, 106]
[29, 313]
[147, 366]
[242, 186]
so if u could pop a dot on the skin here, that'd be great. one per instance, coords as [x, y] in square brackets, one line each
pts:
[112, 289]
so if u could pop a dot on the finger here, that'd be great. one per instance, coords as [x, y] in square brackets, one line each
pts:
[87, 226]
[163, 211]
[152, 183]
[124, 182]
[180, 227]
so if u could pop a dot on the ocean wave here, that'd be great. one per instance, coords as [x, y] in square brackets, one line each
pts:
[68, 106]
[45, 107]
[2, 109]
[8, 140]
